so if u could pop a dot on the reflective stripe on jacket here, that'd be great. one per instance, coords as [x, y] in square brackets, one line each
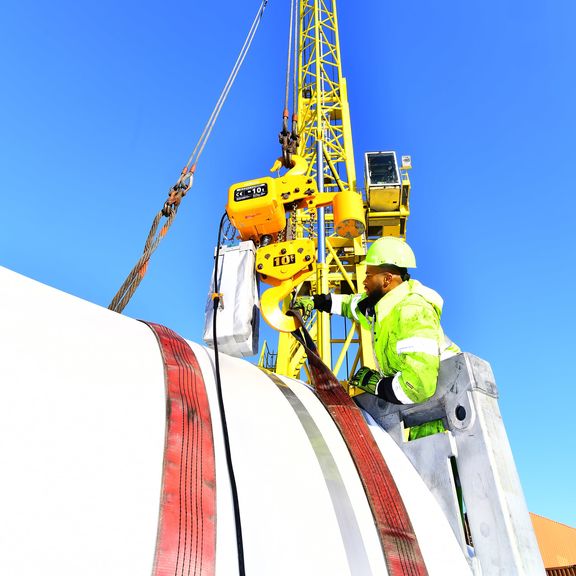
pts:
[408, 339]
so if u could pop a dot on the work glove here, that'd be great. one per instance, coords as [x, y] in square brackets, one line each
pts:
[305, 305]
[366, 379]
[373, 382]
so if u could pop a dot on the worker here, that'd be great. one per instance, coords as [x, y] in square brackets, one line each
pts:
[404, 318]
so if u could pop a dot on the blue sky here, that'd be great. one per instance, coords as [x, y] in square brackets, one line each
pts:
[102, 103]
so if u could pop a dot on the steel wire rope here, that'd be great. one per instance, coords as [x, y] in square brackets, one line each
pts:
[225, 91]
[229, 463]
[289, 63]
[184, 183]
[287, 137]
[296, 60]
[135, 276]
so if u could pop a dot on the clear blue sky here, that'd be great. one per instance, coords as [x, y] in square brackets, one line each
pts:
[101, 104]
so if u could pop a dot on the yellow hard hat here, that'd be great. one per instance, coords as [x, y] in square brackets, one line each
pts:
[390, 250]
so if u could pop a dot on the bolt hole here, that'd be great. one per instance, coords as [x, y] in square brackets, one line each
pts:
[460, 413]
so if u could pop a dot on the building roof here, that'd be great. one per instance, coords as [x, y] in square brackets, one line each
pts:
[557, 542]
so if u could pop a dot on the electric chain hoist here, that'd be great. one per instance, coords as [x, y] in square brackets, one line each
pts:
[261, 210]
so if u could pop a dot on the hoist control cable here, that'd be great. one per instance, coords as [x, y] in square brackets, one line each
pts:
[216, 297]
[184, 182]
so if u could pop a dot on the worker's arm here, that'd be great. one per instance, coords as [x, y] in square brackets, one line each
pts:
[348, 305]
[352, 306]
[305, 304]
[415, 354]
[411, 356]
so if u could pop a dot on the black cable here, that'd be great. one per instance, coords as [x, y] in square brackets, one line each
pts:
[216, 299]
[347, 349]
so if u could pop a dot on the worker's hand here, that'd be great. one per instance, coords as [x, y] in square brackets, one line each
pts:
[305, 305]
[366, 379]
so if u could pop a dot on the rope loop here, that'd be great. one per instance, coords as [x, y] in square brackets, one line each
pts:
[178, 191]
[137, 273]
[184, 182]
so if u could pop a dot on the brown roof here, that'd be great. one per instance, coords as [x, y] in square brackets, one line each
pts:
[564, 571]
[557, 542]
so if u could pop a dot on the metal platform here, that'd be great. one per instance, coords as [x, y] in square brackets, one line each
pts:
[466, 399]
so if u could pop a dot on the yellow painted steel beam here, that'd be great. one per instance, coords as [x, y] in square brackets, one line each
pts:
[345, 348]
[262, 354]
[323, 114]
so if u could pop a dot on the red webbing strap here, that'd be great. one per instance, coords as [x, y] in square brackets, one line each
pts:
[186, 541]
[399, 543]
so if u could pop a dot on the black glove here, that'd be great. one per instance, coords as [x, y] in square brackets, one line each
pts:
[323, 302]
[305, 304]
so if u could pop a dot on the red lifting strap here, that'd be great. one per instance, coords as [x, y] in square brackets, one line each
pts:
[399, 543]
[186, 542]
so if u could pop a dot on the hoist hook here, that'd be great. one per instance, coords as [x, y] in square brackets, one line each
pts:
[271, 299]
[298, 165]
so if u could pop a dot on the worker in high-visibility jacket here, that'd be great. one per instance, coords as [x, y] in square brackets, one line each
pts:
[404, 318]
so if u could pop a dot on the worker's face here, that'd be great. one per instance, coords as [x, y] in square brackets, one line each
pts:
[376, 281]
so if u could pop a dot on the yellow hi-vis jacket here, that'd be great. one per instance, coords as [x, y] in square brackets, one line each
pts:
[408, 339]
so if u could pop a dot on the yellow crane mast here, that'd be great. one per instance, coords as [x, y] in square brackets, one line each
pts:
[309, 227]
[326, 144]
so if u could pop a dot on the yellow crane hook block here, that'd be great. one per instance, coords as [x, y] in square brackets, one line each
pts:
[284, 265]
[279, 262]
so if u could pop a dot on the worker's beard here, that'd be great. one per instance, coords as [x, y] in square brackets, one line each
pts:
[366, 305]
[374, 295]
